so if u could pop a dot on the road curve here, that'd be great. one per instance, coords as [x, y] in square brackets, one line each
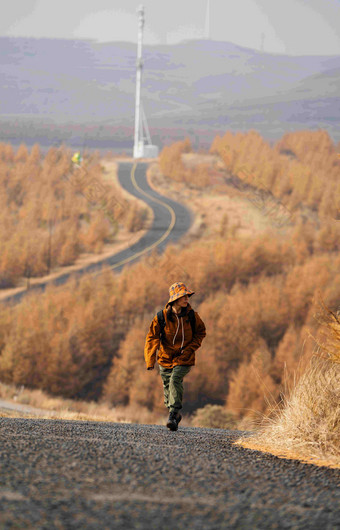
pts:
[171, 221]
[89, 475]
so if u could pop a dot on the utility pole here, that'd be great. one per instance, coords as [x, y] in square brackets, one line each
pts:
[207, 22]
[139, 66]
[140, 150]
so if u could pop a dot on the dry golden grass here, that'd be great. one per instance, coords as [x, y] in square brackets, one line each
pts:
[36, 403]
[308, 427]
[287, 454]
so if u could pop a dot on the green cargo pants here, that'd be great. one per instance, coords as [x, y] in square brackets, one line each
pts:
[173, 386]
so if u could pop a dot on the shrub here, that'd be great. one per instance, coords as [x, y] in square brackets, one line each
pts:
[213, 417]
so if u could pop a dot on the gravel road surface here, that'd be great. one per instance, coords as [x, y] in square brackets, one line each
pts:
[88, 475]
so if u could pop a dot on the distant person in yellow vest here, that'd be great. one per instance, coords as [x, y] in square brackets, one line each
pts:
[176, 332]
[77, 158]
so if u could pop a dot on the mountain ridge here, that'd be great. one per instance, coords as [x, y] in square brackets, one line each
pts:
[194, 84]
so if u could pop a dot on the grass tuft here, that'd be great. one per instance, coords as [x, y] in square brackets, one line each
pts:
[308, 424]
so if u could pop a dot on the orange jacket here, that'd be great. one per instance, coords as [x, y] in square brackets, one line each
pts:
[178, 346]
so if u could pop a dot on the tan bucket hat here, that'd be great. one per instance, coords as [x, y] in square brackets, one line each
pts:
[177, 290]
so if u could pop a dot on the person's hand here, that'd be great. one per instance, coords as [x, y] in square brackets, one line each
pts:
[150, 368]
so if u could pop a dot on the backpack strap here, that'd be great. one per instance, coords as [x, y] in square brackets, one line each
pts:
[192, 320]
[161, 322]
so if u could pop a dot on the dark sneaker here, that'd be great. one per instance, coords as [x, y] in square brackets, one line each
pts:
[178, 417]
[172, 422]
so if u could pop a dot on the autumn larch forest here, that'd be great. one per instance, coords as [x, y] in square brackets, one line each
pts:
[257, 295]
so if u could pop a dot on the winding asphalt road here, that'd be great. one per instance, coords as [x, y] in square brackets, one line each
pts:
[86, 475]
[171, 221]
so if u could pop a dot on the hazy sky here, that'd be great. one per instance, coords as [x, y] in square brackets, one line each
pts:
[296, 27]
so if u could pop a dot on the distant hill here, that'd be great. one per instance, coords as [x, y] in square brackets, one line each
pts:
[80, 91]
